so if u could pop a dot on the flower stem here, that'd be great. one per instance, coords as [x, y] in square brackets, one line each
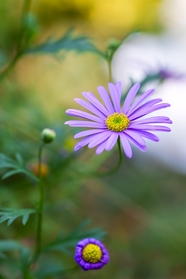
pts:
[19, 52]
[40, 205]
[111, 172]
[109, 70]
[26, 7]
[10, 66]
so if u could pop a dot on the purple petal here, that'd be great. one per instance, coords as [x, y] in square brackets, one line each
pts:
[155, 119]
[115, 97]
[106, 99]
[86, 266]
[93, 100]
[105, 259]
[148, 135]
[145, 111]
[126, 145]
[78, 258]
[144, 106]
[140, 100]
[87, 124]
[150, 127]
[90, 107]
[111, 141]
[101, 147]
[99, 138]
[130, 97]
[97, 242]
[104, 251]
[88, 133]
[135, 142]
[83, 242]
[135, 136]
[119, 88]
[94, 241]
[82, 114]
[83, 142]
[97, 265]
[78, 250]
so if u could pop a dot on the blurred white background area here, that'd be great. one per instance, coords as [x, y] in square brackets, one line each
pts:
[143, 54]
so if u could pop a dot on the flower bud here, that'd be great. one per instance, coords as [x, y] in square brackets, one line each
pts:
[113, 44]
[48, 135]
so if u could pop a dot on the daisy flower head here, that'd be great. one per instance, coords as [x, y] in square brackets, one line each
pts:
[112, 121]
[91, 254]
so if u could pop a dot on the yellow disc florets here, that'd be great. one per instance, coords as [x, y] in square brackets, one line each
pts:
[92, 253]
[117, 122]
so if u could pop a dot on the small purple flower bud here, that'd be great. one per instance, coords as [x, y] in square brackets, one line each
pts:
[91, 254]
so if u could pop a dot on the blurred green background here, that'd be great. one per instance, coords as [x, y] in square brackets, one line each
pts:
[143, 212]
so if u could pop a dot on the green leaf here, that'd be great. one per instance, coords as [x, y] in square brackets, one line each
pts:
[64, 242]
[15, 167]
[53, 268]
[10, 173]
[9, 245]
[25, 259]
[9, 215]
[67, 42]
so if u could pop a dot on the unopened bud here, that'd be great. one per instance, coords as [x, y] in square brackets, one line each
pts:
[113, 44]
[48, 135]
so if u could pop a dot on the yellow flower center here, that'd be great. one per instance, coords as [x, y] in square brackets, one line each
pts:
[92, 253]
[117, 122]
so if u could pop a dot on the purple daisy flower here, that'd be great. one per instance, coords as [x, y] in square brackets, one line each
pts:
[113, 121]
[91, 254]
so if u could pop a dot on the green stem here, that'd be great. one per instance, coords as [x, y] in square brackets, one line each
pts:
[9, 67]
[109, 70]
[25, 10]
[26, 7]
[114, 170]
[109, 172]
[40, 205]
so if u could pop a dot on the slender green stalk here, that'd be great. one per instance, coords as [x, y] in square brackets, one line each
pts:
[114, 170]
[89, 173]
[109, 70]
[9, 67]
[26, 7]
[40, 205]
[25, 10]
[21, 38]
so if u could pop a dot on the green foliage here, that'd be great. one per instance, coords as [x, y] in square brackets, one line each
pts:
[15, 167]
[30, 26]
[9, 215]
[25, 259]
[9, 245]
[64, 242]
[67, 42]
[52, 269]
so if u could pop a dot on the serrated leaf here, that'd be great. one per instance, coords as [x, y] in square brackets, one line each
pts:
[25, 258]
[53, 269]
[19, 159]
[9, 245]
[25, 219]
[10, 173]
[64, 242]
[15, 167]
[67, 42]
[9, 215]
